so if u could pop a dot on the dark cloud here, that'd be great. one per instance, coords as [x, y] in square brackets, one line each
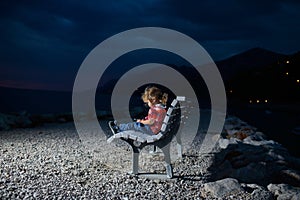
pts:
[51, 38]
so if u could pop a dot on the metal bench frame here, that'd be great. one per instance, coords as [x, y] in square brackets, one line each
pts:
[162, 140]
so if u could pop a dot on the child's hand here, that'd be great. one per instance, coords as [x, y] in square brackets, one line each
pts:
[139, 120]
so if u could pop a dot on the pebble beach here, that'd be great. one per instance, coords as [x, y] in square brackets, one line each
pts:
[50, 162]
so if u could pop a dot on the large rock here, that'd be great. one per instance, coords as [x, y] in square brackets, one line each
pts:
[23, 120]
[222, 187]
[253, 159]
[4, 122]
[258, 192]
[15, 120]
[284, 191]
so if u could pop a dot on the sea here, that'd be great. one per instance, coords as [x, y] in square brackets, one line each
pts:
[282, 126]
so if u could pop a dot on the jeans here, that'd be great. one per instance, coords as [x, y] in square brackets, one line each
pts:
[136, 126]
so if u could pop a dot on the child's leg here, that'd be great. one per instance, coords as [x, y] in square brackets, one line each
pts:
[127, 126]
[137, 127]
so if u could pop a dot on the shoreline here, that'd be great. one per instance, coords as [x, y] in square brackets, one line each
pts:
[277, 124]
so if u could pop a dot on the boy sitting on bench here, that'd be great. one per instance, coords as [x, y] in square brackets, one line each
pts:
[151, 125]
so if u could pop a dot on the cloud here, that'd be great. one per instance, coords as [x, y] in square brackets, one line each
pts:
[53, 37]
[88, 23]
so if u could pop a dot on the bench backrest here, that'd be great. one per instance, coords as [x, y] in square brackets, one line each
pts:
[172, 119]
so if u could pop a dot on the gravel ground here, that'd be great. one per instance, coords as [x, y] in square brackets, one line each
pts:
[50, 162]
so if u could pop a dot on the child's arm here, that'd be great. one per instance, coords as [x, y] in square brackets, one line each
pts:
[146, 121]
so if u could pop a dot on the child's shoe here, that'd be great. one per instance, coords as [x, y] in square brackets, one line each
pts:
[113, 127]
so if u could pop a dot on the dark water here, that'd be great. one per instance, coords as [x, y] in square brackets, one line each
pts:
[34, 101]
[277, 125]
[41, 101]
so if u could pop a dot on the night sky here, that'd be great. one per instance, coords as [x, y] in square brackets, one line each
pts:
[43, 43]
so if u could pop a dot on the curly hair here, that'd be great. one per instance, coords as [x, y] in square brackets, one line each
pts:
[154, 95]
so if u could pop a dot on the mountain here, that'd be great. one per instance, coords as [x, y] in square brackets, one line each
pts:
[249, 60]
[253, 73]
[277, 81]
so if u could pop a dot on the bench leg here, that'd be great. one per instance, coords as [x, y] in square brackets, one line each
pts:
[154, 150]
[135, 163]
[179, 145]
[135, 160]
[169, 169]
[179, 150]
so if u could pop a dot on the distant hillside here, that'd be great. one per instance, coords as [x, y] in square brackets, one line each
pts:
[249, 60]
[272, 82]
[251, 75]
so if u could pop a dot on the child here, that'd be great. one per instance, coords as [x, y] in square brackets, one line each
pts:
[156, 100]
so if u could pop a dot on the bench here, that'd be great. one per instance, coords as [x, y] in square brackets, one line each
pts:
[169, 130]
